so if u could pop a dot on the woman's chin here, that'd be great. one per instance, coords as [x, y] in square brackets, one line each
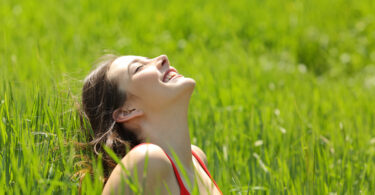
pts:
[187, 82]
[181, 81]
[183, 85]
[175, 91]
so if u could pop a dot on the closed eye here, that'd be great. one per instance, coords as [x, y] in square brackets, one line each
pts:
[138, 68]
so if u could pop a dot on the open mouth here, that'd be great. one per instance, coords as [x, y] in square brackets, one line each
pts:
[170, 74]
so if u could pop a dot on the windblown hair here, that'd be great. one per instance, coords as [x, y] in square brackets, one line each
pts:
[100, 98]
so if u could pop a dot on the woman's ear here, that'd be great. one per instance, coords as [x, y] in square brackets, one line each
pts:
[120, 115]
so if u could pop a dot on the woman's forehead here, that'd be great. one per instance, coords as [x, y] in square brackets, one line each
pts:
[126, 60]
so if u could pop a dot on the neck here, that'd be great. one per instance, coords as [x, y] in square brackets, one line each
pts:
[168, 128]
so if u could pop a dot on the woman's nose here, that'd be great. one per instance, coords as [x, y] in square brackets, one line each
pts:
[162, 61]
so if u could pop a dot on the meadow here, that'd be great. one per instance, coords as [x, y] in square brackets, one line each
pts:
[284, 101]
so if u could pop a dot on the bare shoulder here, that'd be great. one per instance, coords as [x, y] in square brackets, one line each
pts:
[147, 152]
[200, 153]
[146, 159]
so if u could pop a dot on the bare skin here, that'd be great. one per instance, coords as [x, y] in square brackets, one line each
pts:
[156, 110]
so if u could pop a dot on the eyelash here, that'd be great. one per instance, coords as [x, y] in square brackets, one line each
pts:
[138, 68]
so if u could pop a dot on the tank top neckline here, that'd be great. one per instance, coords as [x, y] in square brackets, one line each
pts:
[183, 189]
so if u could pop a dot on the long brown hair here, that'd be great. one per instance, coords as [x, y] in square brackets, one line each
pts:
[100, 97]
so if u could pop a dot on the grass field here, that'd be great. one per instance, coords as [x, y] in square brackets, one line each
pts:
[284, 101]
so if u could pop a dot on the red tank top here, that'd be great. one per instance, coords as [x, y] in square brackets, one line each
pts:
[183, 190]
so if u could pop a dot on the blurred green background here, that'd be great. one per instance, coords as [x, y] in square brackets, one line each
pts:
[284, 101]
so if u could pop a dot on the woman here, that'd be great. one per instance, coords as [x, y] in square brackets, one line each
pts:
[136, 101]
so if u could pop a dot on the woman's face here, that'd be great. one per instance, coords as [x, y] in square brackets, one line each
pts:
[151, 82]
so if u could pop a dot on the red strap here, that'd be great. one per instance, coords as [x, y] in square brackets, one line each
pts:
[205, 169]
[183, 190]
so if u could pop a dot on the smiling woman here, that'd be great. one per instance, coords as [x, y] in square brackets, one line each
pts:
[140, 104]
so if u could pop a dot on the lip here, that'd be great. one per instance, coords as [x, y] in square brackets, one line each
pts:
[169, 70]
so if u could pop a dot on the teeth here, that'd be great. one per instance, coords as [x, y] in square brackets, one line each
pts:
[170, 75]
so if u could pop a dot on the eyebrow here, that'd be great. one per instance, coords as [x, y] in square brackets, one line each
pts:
[133, 61]
[137, 59]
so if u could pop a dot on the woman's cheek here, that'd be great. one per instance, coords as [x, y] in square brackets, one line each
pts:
[147, 83]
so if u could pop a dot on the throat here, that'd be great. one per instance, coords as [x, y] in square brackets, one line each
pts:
[170, 131]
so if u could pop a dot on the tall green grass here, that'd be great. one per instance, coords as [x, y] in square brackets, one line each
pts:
[284, 101]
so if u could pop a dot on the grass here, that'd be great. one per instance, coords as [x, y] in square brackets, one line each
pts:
[284, 102]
